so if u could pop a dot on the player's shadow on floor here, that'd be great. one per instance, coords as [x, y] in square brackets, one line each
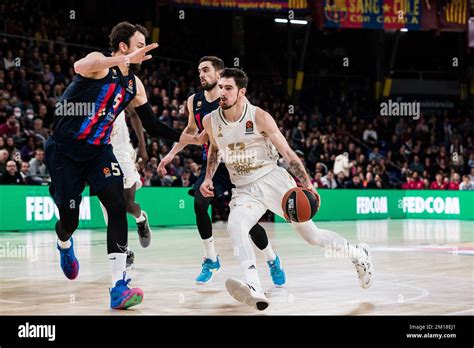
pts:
[362, 308]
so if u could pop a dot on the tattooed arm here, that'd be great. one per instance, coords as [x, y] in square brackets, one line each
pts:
[207, 187]
[266, 124]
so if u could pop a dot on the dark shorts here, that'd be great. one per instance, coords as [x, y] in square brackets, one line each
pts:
[73, 163]
[221, 181]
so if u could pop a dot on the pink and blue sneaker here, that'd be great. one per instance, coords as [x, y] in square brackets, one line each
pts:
[122, 297]
[69, 263]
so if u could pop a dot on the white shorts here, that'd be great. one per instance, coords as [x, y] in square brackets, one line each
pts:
[126, 161]
[265, 193]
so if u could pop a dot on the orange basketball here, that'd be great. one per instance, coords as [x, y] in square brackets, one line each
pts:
[300, 204]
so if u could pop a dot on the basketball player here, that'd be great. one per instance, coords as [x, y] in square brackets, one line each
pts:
[199, 105]
[126, 157]
[248, 140]
[79, 150]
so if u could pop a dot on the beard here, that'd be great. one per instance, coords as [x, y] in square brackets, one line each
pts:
[227, 107]
[208, 86]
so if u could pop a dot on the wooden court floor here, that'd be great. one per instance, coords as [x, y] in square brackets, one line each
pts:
[422, 267]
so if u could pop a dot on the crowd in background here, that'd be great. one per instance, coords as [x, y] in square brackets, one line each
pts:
[342, 143]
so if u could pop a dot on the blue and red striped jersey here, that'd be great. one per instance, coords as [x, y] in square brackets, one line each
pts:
[201, 107]
[87, 109]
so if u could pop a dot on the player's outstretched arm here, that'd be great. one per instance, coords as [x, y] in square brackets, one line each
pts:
[156, 128]
[266, 124]
[96, 66]
[207, 187]
[191, 129]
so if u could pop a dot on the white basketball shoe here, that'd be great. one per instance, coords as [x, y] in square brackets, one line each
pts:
[364, 266]
[247, 293]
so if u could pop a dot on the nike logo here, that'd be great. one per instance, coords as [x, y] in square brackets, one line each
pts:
[112, 258]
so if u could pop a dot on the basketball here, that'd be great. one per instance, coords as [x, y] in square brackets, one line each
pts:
[300, 204]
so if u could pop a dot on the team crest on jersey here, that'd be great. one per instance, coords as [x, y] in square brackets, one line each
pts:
[249, 127]
[219, 131]
[106, 172]
[198, 104]
[130, 86]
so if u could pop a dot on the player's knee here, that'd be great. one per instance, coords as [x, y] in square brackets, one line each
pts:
[118, 205]
[201, 203]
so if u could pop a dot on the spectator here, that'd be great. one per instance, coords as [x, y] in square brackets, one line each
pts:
[298, 136]
[417, 183]
[375, 155]
[28, 150]
[11, 176]
[10, 128]
[354, 183]
[329, 181]
[316, 181]
[439, 183]
[25, 173]
[183, 180]
[369, 182]
[341, 164]
[466, 184]
[416, 165]
[370, 135]
[4, 155]
[455, 182]
[38, 171]
[39, 129]
[340, 180]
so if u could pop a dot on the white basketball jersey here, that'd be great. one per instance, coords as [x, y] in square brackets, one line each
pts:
[247, 154]
[120, 137]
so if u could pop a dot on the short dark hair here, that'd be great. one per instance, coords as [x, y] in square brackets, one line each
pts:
[216, 62]
[122, 32]
[239, 76]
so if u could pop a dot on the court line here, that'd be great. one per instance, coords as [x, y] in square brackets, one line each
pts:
[16, 302]
[461, 312]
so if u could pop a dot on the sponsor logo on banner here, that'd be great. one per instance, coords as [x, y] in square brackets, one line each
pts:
[431, 205]
[43, 209]
[372, 205]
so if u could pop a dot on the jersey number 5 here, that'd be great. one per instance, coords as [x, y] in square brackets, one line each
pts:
[115, 169]
[117, 100]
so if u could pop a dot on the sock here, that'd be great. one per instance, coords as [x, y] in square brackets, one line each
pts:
[118, 264]
[141, 218]
[64, 245]
[269, 253]
[251, 274]
[209, 249]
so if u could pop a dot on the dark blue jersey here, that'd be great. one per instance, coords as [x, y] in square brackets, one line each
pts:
[201, 107]
[87, 109]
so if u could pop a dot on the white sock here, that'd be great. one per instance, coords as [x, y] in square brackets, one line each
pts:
[141, 218]
[251, 274]
[118, 265]
[209, 249]
[269, 253]
[64, 245]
